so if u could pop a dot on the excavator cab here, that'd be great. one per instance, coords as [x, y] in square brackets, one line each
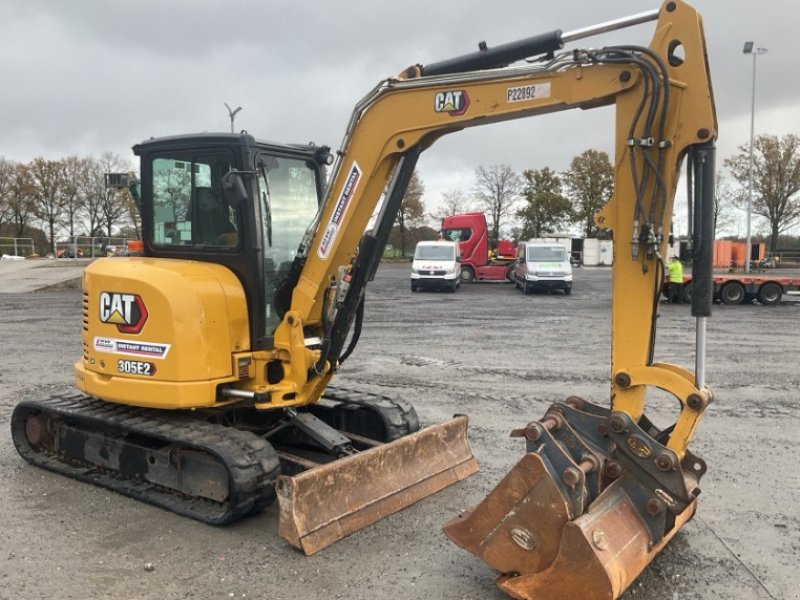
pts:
[231, 200]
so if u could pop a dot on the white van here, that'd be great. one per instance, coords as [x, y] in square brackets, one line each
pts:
[542, 265]
[436, 265]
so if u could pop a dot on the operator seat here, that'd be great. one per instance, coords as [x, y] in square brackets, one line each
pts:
[214, 225]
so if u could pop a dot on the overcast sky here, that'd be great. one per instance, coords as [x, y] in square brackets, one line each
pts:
[82, 77]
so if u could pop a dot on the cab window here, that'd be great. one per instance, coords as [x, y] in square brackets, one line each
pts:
[457, 234]
[189, 208]
[287, 196]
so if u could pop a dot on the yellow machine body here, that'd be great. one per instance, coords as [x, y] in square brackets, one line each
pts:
[186, 319]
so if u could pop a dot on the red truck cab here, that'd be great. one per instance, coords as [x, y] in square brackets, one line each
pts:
[482, 259]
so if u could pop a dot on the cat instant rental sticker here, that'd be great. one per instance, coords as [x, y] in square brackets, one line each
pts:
[342, 204]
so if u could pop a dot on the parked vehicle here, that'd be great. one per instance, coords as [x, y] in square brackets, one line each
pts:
[71, 251]
[436, 265]
[482, 259]
[739, 289]
[544, 266]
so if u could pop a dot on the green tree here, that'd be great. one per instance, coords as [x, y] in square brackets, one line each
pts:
[412, 209]
[776, 181]
[589, 183]
[497, 191]
[546, 208]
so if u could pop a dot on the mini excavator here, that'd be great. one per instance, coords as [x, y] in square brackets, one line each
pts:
[205, 381]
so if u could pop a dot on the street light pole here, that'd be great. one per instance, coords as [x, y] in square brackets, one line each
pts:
[232, 113]
[749, 48]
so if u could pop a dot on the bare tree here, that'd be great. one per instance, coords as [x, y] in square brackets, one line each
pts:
[724, 206]
[497, 190]
[49, 193]
[453, 202]
[114, 203]
[412, 208]
[74, 197]
[21, 198]
[7, 169]
[776, 180]
[589, 182]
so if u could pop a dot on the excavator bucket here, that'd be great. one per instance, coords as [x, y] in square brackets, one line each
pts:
[329, 502]
[573, 518]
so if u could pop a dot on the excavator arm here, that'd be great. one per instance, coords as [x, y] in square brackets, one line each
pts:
[664, 110]
[599, 491]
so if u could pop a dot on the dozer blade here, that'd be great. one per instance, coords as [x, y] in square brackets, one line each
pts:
[522, 529]
[327, 503]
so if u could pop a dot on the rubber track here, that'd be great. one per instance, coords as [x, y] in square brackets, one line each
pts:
[398, 415]
[250, 461]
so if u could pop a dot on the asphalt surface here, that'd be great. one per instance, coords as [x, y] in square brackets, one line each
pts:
[487, 351]
[32, 275]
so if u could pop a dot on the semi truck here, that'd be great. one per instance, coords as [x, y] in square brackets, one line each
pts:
[482, 259]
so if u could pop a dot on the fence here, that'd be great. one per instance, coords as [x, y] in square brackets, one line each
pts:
[16, 246]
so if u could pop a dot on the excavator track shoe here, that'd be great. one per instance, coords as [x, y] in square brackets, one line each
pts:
[329, 502]
[208, 472]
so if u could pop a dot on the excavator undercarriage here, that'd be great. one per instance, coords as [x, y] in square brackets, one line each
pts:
[218, 466]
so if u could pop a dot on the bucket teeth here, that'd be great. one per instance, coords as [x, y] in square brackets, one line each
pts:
[325, 504]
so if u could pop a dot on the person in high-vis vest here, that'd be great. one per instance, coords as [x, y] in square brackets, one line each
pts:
[675, 269]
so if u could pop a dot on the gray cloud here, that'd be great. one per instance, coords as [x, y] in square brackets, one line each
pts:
[88, 76]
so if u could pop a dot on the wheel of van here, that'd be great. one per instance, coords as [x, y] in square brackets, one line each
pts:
[732, 293]
[526, 289]
[567, 291]
[467, 275]
[510, 274]
[687, 292]
[770, 293]
[414, 288]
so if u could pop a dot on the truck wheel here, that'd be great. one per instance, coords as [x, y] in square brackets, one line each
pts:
[687, 292]
[770, 293]
[467, 275]
[732, 293]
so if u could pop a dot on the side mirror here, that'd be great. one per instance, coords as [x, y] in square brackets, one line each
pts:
[233, 188]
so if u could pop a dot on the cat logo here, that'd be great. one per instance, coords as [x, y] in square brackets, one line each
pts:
[126, 311]
[454, 102]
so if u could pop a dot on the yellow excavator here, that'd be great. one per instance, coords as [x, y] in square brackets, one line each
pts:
[207, 362]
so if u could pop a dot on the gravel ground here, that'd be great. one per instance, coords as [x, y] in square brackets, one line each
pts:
[487, 351]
